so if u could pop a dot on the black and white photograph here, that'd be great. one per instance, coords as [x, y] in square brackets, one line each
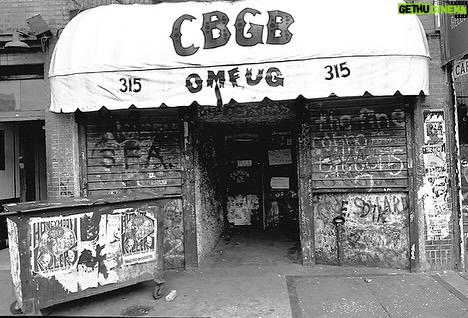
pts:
[234, 158]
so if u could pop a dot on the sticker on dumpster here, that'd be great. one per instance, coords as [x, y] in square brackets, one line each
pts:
[54, 244]
[138, 236]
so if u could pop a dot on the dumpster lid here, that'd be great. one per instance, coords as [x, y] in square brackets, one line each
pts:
[32, 206]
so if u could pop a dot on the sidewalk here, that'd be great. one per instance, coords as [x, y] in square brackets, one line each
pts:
[252, 278]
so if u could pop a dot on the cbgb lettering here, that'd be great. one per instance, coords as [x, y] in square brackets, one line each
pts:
[216, 32]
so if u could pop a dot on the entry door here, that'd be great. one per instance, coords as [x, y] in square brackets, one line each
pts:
[243, 179]
[261, 174]
[9, 172]
[280, 182]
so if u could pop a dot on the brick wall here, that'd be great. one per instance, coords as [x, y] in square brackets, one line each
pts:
[13, 13]
[56, 13]
[61, 149]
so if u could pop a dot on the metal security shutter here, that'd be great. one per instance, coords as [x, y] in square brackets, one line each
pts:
[359, 171]
[358, 147]
[132, 151]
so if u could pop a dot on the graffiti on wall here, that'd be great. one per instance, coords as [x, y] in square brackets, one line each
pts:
[239, 176]
[375, 231]
[142, 148]
[272, 217]
[65, 186]
[361, 148]
[173, 235]
[435, 188]
[210, 214]
[125, 155]
[304, 137]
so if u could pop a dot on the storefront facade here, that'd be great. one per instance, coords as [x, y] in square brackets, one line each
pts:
[265, 125]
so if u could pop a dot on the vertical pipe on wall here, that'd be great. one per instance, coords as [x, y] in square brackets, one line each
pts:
[188, 195]
[420, 261]
[412, 204]
[455, 172]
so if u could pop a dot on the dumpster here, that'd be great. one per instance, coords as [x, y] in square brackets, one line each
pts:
[74, 248]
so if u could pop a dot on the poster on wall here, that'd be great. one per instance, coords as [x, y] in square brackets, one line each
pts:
[435, 190]
[434, 127]
[244, 163]
[241, 208]
[279, 183]
[434, 155]
[278, 157]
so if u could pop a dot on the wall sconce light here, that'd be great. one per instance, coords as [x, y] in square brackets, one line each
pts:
[16, 43]
[38, 26]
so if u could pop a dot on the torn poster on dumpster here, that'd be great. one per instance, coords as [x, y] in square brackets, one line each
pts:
[54, 244]
[138, 237]
[90, 249]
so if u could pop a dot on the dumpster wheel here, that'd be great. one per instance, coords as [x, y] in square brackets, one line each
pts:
[15, 309]
[158, 292]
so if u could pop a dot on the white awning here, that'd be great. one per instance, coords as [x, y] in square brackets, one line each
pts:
[175, 54]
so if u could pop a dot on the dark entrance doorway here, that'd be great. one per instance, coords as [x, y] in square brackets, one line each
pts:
[261, 180]
[32, 161]
[22, 166]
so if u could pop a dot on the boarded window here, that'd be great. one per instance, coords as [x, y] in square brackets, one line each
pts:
[133, 151]
[361, 147]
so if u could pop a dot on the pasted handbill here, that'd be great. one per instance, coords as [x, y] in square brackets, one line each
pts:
[54, 244]
[138, 236]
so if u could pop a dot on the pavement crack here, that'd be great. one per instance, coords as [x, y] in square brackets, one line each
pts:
[375, 296]
[450, 288]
